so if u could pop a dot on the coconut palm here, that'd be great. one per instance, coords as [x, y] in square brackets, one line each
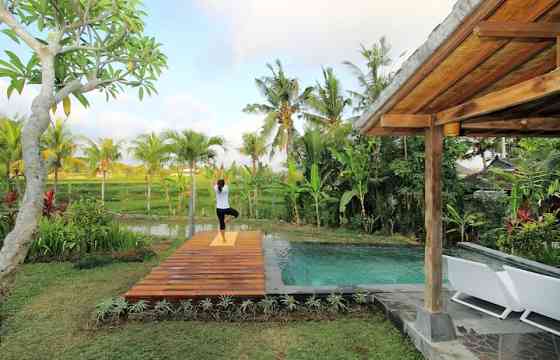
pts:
[101, 155]
[327, 103]
[10, 143]
[192, 148]
[59, 146]
[255, 147]
[374, 80]
[153, 152]
[283, 101]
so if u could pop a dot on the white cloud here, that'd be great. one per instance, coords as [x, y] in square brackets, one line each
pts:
[126, 117]
[323, 31]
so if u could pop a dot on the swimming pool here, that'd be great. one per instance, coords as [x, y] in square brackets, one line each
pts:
[317, 265]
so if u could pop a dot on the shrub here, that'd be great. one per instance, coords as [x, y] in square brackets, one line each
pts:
[534, 240]
[87, 228]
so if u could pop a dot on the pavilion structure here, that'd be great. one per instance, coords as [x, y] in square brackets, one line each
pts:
[490, 69]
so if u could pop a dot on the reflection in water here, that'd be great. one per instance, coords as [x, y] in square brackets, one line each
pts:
[174, 229]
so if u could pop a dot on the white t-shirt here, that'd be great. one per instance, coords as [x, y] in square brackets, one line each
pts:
[222, 201]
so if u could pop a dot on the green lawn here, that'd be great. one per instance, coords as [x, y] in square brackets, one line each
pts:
[49, 316]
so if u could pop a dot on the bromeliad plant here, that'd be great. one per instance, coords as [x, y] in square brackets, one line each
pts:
[281, 308]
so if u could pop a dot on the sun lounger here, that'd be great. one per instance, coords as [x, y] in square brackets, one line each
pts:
[539, 294]
[480, 282]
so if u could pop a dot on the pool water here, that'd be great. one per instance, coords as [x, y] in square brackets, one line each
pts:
[341, 265]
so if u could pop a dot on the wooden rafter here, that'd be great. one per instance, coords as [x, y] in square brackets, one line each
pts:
[486, 9]
[525, 92]
[513, 30]
[532, 124]
[405, 121]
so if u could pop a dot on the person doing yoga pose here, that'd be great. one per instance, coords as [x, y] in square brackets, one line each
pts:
[222, 206]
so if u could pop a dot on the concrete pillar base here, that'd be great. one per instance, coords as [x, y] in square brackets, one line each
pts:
[435, 327]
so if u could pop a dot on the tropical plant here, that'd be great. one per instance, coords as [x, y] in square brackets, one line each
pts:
[462, 223]
[163, 308]
[101, 155]
[153, 152]
[11, 144]
[283, 101]
[268, 306]
[327, 104]
[313, 304]
[138, 307]
[315, 186]
[355, 160]
[374, 80]
[59, 146]
[193, 148]
[292, 189]
[336, 303]
[75, 47]
[290, 303]
[254, 146]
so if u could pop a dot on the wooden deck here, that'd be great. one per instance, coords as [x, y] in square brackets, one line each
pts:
[200, 269]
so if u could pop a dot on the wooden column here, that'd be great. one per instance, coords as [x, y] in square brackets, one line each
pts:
[433, 219]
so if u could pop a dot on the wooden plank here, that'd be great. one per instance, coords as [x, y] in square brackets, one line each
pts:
[507, 61]
[198, 270]
[379, 131]
[405, 121]
[533, 124]
[433, 219]
[530, 90]
[540, 30]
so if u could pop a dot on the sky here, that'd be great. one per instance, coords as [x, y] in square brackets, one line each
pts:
[216, 48]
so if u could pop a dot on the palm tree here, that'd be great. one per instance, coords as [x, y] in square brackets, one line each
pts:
[153, 152]
[101, 156]
[255, 147]
[283, 101]
[10, 143]
[192, 148]
[59, 146]
[326, 103]
[375, 80]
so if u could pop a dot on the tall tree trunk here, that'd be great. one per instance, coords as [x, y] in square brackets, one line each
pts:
[405, 145]
[192, 202]
[8, 165]
[17, 243]
[55, 185]
[149, 193]
[317, 213]
[103, 186]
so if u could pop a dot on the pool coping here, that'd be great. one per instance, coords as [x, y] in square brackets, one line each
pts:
[512, 259]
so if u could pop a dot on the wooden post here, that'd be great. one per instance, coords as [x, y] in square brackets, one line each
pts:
[558, 51]
[433, 219]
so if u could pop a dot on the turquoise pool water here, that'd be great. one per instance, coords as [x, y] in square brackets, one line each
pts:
[324, 265]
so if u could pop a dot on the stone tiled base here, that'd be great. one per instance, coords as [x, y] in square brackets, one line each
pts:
[479, 336]
[533, 346]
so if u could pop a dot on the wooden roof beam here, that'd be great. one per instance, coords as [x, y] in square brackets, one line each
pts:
[380, 131]
[516, 30]
[531, 124]
[522, 93]
[405, 121]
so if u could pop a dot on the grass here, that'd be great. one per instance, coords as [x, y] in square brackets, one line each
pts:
[49, 315]
[129, 196]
